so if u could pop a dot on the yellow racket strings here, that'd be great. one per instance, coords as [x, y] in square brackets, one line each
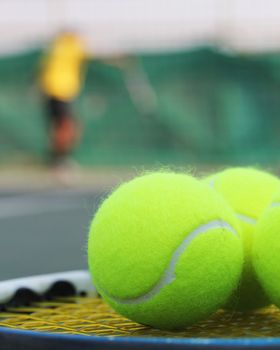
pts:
[91, 316]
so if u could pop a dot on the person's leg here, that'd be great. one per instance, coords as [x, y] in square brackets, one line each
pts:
[64, 132]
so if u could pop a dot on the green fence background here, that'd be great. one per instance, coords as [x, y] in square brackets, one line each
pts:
[210, 107]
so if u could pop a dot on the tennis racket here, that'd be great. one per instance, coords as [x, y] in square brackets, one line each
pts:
[140, 90]
[63, 311]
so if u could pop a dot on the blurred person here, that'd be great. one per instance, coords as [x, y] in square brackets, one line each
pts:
[60, 82]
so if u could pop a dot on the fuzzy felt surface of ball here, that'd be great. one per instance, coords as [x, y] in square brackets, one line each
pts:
[164, 250]
[266, 250]
[248, 191]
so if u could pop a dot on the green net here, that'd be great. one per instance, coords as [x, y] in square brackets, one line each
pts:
[197, 106]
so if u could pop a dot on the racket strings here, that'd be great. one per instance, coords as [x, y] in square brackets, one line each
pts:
[91, 316]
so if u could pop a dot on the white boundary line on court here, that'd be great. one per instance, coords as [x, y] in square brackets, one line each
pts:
[18, 206]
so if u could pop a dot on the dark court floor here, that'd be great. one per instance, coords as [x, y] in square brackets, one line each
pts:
[45, 231]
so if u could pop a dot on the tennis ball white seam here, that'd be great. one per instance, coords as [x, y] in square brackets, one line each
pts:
[247, 219]
[273, 205]
[169, 274]
[242, 217]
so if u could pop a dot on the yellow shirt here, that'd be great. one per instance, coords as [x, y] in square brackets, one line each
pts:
[61, 73]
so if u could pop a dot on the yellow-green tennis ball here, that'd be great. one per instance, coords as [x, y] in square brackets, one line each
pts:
[266, 250]
[164, 250]
[248, 191]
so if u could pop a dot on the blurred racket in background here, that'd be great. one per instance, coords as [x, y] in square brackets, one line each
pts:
[140, 90]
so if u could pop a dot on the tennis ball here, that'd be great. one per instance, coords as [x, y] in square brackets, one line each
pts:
[164, 250]
[248, 191]
[266, 250]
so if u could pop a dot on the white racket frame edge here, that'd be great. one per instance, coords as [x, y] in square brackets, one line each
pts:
[40, 284]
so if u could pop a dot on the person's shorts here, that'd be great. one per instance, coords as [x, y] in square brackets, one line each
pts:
[57, 110]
